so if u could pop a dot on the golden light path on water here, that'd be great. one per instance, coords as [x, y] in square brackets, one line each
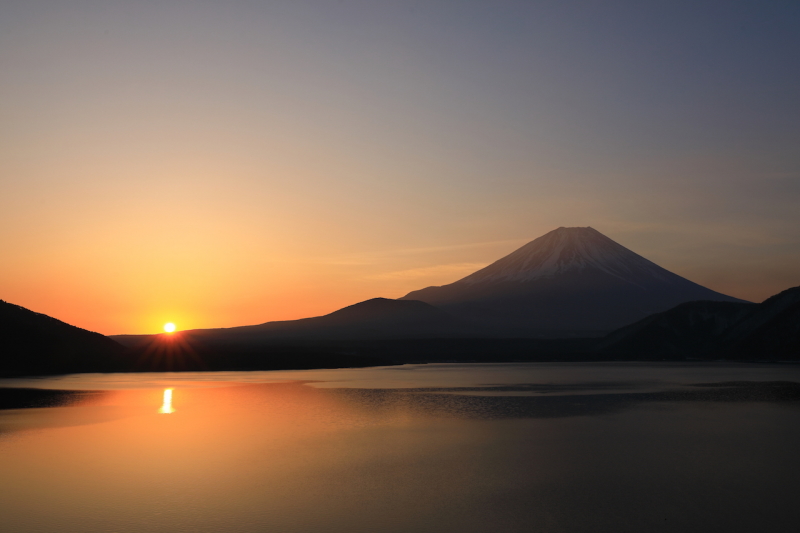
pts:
[166, 406]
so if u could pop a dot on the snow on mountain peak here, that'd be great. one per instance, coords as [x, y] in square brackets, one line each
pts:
[564, 250]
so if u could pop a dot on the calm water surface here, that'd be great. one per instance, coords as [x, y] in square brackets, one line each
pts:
[423, 448]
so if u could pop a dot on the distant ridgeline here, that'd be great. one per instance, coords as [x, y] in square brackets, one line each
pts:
[572, 294]
[35, 344]
[769, 330]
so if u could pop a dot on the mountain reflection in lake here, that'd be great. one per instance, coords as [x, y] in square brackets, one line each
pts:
[528, 447]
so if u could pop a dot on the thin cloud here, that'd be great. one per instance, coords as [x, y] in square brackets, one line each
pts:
[371, 258]
[453, 270]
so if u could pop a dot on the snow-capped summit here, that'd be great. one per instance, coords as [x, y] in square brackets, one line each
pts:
[569, 281]
[564, 250]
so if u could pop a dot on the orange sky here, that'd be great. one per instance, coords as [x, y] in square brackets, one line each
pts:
[219, 167]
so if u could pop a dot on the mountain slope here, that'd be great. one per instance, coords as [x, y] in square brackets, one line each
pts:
[769, 330]
[318, 342]
[689, 329]
[569, 281]
[34, 343]
[374, 318]
[777, 333]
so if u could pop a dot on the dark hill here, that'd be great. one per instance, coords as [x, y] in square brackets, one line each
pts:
[375, 318]
[773, 331]
[32, 344]
[769, 330]
[378, 318]
[319, 342]
[690, 329]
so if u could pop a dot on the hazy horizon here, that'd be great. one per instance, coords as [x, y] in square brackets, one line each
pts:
[218, 165]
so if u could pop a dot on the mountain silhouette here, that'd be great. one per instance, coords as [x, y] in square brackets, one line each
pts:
[370, 319]
[382, 331]
[318, 342]
[570, 281]
[572, 294]
[769, 330]
[374, 318]
[33, 343]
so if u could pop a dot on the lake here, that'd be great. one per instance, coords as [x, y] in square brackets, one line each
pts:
[426, 448]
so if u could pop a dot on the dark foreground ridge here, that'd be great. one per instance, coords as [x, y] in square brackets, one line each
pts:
[34, 343]
[704, 330]
[383, 332]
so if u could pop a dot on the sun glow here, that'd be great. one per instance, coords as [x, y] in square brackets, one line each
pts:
[166, 406]
[169, 327]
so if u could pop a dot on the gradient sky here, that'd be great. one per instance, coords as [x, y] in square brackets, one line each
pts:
[228, 163]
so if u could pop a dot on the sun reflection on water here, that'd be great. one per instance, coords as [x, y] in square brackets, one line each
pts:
[166, 406]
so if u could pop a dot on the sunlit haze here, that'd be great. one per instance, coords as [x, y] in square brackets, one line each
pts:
[231, 163]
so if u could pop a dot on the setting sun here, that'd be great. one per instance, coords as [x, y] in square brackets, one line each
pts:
[169, 327]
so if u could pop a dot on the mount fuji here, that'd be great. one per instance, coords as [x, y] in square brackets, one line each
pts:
[569, 282]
